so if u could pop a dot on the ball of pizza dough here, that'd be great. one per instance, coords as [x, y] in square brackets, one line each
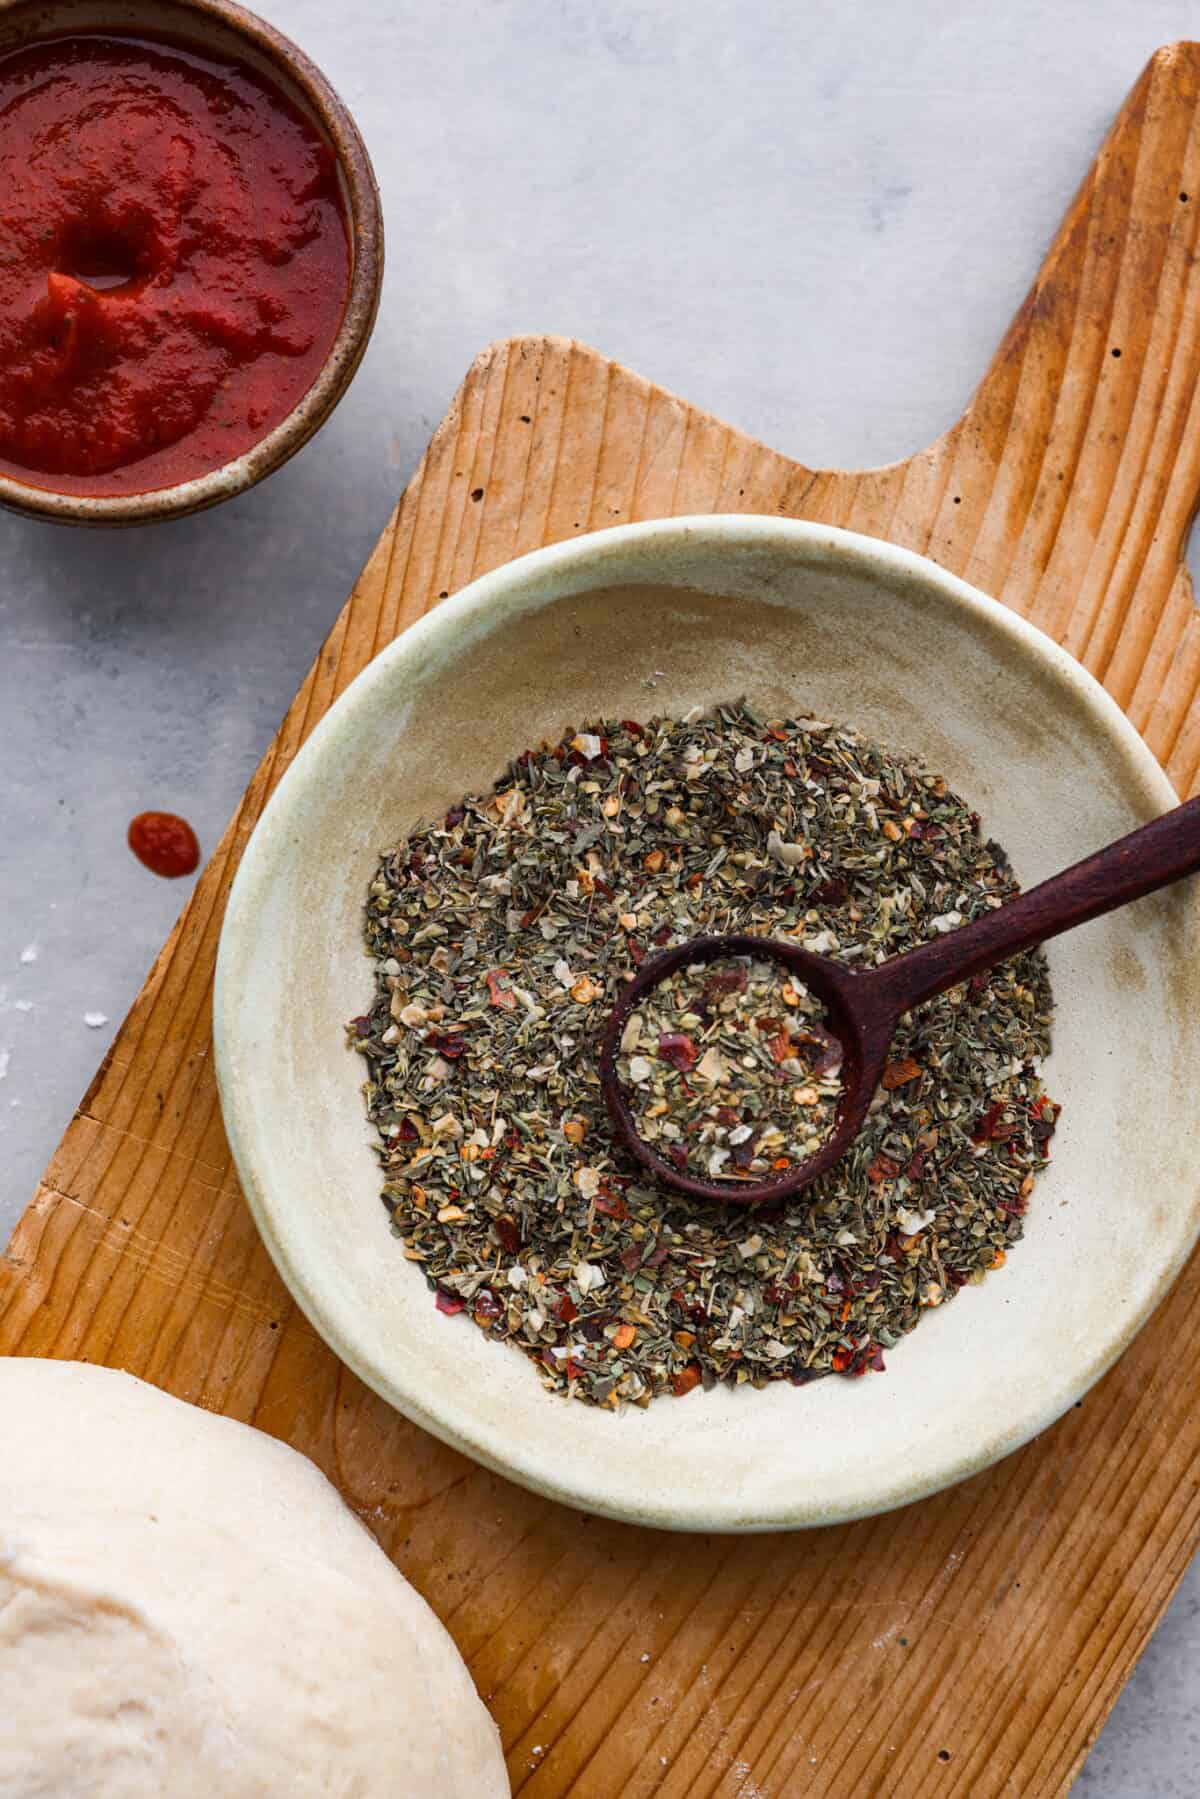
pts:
[187, 1607]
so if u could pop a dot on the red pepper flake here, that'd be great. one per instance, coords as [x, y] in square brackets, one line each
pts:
[790, 769]
[916, 1167]
[487, 1305]
[677, 1155]
[631, 1258]
[882, 1168]
[566, 1311]
[448, 1044]
[612, 1205]
[833, 892]
[677, 1048]
[454, 817]
[662, 936]
[498, 988]
[778, 733]
[775, 1296]
[1044, 1114]
[637, 954]
[507, 1232]
[831, 1052]
[898, 1074]
[986, 1123]
[855, 1362]
[781, 1046]
[573, 1369]
[992, 1126]
[449, 1302]
[686, 1378]
[633, 728]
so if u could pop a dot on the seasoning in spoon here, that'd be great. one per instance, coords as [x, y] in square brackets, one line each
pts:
[500, 937]
[729, 1070]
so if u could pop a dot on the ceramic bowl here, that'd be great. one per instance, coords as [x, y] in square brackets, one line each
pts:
[222, 28]
[660, 618]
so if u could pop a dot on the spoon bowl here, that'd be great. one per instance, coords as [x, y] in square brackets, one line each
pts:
[864, 1044]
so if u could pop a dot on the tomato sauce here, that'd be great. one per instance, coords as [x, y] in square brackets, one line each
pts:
[174, 262]
[164, 843]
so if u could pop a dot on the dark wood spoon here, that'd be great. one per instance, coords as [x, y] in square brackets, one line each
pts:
[863, 1009]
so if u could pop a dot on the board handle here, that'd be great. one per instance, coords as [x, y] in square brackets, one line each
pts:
[1089, 407]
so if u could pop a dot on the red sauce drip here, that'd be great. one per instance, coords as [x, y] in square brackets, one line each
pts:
[166, 844]
[174, 262]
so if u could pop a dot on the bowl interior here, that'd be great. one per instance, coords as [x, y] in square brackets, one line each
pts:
[221, 28]
[660, 619]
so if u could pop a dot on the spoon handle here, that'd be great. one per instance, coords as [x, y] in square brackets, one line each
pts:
[1149, 858]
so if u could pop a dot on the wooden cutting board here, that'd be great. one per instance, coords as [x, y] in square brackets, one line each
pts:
[972, 1644]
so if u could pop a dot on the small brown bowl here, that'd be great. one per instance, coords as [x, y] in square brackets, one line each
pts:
[220, 27]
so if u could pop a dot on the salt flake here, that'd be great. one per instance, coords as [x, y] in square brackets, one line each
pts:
[790, 854]
[912, 1222]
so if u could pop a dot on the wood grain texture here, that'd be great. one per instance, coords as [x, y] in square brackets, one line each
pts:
[972, 1644]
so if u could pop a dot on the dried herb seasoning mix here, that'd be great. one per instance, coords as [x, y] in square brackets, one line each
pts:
[501, 937]
[729, 1070]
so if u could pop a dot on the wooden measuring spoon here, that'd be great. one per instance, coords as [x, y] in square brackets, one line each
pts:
[863, 1009]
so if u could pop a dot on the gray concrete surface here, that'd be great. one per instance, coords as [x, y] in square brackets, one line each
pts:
[814, 218]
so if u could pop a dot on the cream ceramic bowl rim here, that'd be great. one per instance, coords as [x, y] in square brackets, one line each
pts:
[443, 1415]
[364, 220]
